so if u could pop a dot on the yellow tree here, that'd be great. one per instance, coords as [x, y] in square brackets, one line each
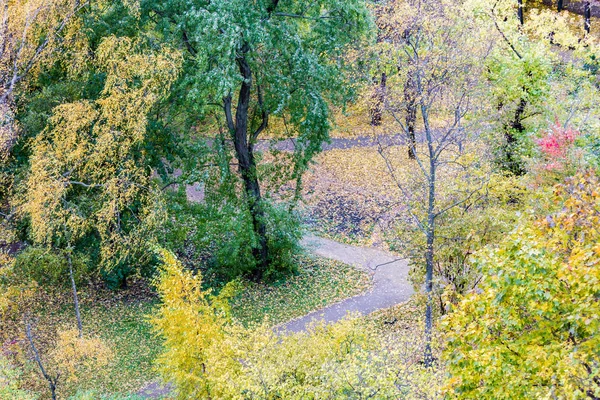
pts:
[86, 169]
[532, 327]
[30, 32]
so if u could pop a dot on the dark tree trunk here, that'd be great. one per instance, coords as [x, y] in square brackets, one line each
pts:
[517, 122]
[587, 17]
[411, 114]
[559, 6]
[244, 150]
[516, 125]
[378, 100]
[520, 12]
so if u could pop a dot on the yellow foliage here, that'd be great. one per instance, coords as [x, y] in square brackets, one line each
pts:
[77, 356]
[90, 146]
[207, 355]
[531, 329]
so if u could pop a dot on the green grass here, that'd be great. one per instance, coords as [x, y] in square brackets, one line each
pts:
[120, 319]
[319, 282]
[125, 327]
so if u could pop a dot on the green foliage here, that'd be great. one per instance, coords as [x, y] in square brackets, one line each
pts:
[217, 236]
[284, 65]
[537, 72]
[49, 269]
[531, 328]
[9, 382]
[86, 175]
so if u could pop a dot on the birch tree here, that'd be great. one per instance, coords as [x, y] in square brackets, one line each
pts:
[445, 67]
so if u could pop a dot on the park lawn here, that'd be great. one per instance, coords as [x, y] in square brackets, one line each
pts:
[121, 318]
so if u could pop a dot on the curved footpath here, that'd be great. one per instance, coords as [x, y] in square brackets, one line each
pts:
[389, 274]
[390, 287]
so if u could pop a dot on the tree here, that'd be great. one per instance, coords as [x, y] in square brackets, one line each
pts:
[531, 329]
[446, 68]
[87, 176]
[392, 32]
[528, 76]
[259, 60]
[30, 31]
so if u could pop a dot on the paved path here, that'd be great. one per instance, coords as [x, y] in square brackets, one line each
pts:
[390, 281]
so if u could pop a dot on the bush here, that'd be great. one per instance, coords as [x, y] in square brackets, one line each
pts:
[217, 237]
[460, 232]
[48, 268]
[207, 355]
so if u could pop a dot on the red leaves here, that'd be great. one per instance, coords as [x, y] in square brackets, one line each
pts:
[556, 143]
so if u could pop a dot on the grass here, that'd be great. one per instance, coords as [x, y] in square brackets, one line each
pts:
[124, 325]
[319, 282]
[120, 319]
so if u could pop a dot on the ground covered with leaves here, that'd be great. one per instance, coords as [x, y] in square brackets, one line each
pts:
[320, 282]
[121, 320]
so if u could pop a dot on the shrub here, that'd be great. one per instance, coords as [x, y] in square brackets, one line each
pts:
[48, 268]
[207, 355]
[217, 236]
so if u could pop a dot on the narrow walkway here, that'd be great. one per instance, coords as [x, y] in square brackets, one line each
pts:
[390, 281]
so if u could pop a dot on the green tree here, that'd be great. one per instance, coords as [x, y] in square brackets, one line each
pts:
[254, 60]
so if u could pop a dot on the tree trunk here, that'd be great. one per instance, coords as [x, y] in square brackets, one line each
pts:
[75, 297]
[36, 356]
[559, 6]
[378, 100]
[587, 17]
[428, 356]
[244, 150]
[520, 13]
[430, 236]
[411, 114]
[512, 164]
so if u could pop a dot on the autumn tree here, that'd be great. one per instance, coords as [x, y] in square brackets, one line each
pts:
[87, 175]
[532, 327]
[446, 67]
[530, 79]
[259, 60]
[206, 353]
[30, 32]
